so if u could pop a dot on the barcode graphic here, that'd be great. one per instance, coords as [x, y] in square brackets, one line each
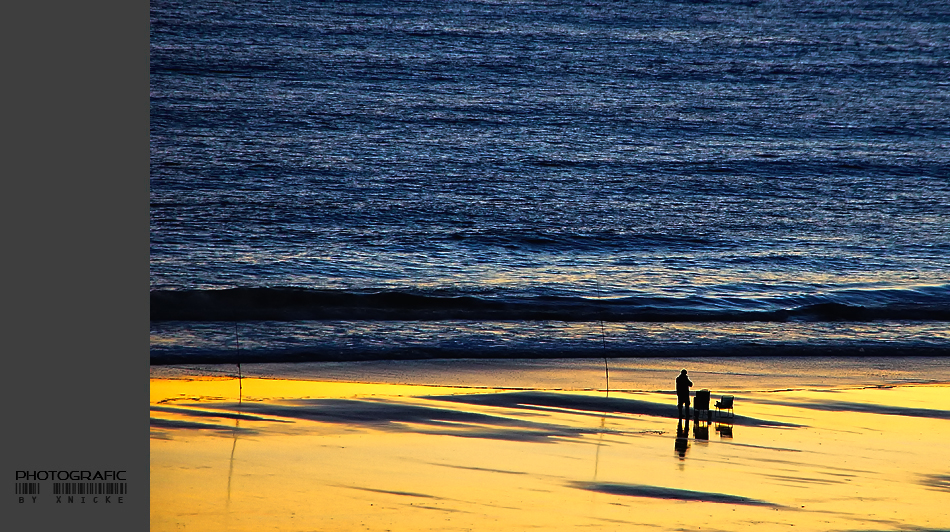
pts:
[90, 488]
[27, 488]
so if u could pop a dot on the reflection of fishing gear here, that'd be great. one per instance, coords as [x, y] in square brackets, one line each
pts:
[237, 425]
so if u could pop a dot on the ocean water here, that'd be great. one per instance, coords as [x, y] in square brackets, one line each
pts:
[453, 178]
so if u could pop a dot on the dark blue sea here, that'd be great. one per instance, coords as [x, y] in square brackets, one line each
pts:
[351, 180]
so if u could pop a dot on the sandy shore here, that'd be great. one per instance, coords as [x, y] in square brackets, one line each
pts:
[511, 445]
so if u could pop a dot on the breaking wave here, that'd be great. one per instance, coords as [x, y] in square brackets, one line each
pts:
[292, 304]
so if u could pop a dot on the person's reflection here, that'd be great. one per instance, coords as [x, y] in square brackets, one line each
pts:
[682, 439]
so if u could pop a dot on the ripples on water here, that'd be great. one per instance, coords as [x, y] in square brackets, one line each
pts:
[727, 150]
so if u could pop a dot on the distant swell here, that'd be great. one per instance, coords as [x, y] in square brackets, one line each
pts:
[290, 304]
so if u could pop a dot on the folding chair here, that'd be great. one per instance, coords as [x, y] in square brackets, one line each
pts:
[725, 404]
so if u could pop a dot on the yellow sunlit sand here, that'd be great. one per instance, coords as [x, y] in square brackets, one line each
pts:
[310, 455]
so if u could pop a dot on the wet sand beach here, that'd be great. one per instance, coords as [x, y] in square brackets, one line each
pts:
[817, 444]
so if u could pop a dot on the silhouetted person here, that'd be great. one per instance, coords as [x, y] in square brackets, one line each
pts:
[682, 393]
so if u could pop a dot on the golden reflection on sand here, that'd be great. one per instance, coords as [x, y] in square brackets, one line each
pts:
[307, 455]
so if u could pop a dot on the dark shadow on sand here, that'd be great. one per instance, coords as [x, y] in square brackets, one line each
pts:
[589, 405]
[208, 413]
[480, 469]
[656, 492]
[400, 417]
[442, 419]
[399, 493]
[845, 406]
[795, 480]
[895, 523]
[937, 482]
[177, 424]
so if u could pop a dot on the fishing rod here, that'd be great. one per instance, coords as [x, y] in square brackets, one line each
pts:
[237, 357]
[603, 338]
